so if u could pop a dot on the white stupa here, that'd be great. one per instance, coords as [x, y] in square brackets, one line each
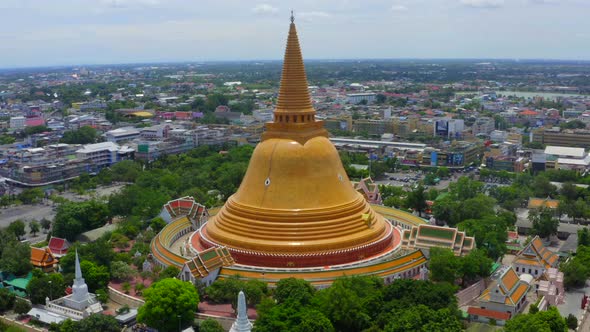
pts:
[242, 324]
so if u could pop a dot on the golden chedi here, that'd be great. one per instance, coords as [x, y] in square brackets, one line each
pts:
[296, 206]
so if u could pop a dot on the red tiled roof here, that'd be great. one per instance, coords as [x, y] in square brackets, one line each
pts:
[528, 112]
[488, 313]
[56, 243]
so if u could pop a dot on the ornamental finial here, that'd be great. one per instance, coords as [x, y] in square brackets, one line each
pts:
[292, 17]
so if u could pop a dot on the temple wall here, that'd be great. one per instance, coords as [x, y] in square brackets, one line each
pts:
[123, 299]
[470, 293]
[20, 325]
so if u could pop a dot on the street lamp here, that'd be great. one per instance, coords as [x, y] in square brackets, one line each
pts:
[50, 291]
[178, 322]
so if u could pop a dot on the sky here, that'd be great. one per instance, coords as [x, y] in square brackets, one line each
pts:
[77, 32]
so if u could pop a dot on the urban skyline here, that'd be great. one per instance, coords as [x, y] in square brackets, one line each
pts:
[144, 31]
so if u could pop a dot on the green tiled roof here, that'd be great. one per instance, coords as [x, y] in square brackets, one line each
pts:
[208, 255]
[441, 233]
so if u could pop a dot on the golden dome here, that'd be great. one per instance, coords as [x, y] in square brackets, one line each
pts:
[296, 206]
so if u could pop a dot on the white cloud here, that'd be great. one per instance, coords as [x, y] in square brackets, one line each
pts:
[483, 3]
[399, 8]
[546, 2]
[129, 3]
[310, 16]
[265, 8]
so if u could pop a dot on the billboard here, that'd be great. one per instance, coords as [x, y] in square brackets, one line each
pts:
[434, 158]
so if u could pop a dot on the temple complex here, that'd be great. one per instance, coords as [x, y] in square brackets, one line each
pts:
[295, 214]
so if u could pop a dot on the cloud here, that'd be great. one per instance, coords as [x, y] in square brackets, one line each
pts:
[483, 3]
[129, 3]
[310, 16]
[265, 8]
[545, 2]
[399, 8]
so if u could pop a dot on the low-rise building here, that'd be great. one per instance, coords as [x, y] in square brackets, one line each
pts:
[535, 259]
[503, 299]
[428, 236]
[357, 98]
[104, 154]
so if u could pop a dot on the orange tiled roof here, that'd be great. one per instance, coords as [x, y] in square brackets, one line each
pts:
[42, 257]
[499, 315]
[509, 279]
[519, 293]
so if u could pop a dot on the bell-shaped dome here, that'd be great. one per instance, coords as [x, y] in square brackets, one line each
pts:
[296, 206]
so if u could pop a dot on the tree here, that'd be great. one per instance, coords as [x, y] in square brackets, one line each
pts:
[542, 321]
[583, 237]
[417, 199]
[34, 227]
[170, 272]
[84, 135]
[572, 322]
[44, 286]
[293, 290]
[575, 272]
[544, 222]
[346, 302]
[168, 301]
[489, 232]
[313, 321]
[17, 259]
[31, 196]
[475, 264]
[17, 228]
[122, 271]
[21, 307]
[46, 224]
[97, 276]
[543, 188]
[73, 218]
[6, 300]
[210, 325]
[99, 323]
[423, 319]
[444, 266]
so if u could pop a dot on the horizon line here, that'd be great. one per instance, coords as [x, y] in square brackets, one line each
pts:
[178, 62]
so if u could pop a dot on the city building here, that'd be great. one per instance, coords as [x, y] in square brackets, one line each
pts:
[104, 154]
[17, 122]
[122, 134]
[449, 128]
[578, 138]
[357, 98]
[483, 126]
[560, 157]
[551, 286]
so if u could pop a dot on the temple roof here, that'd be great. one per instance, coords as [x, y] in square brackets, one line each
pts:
[294, 93]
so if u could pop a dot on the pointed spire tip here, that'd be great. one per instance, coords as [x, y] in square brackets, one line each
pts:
[292, 17]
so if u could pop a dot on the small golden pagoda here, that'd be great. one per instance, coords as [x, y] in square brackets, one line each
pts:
[296, 206]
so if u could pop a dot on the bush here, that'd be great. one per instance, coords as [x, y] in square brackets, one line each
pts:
[21, 307]
[572, 322]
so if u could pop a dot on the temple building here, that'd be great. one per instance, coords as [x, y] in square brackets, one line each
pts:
[535, 259]
[504, 298]
[428, 236]
[76, 306]
[296, 206]
[295, 214]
